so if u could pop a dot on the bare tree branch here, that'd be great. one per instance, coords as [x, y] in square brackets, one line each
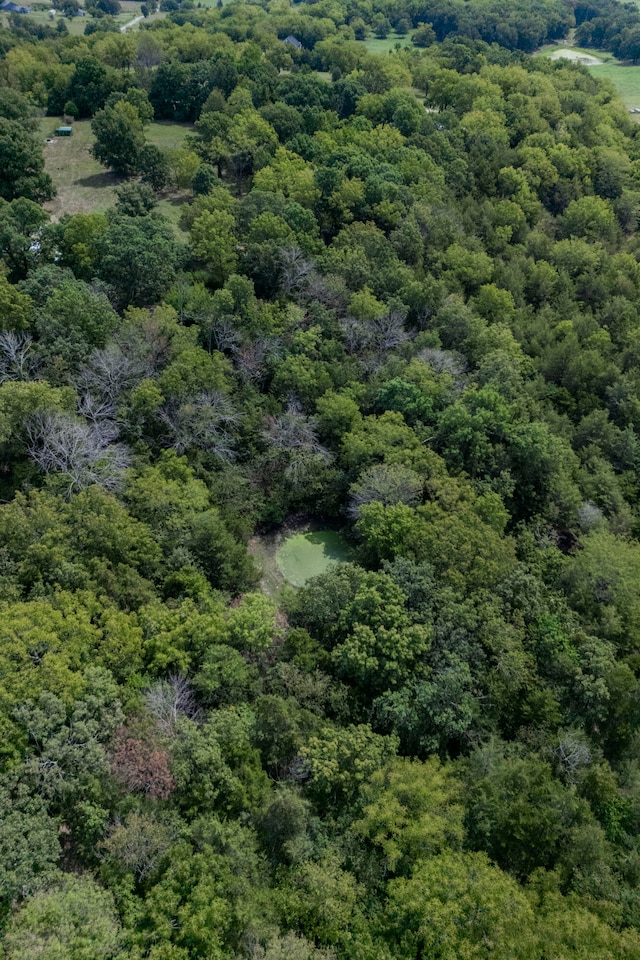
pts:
[387, 483]
[204, 422]
[83, 453]
[111, 372]
[168, 700]
[16, 362]
[296, 269]
[292, 438]
[252, 358]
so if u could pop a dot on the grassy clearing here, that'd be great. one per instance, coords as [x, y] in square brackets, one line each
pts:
[211, 3]
[82, 184]
[306, 555]
[624, 76]
[374, 45]
[550, 48]
[295, 552]
[167, 135]
[171, 206]
[75, 25]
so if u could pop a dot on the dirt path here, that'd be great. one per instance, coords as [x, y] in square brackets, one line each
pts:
[131, 23]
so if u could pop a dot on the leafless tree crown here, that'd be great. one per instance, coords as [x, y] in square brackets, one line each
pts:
[83, 453]
[293, 438]
[169, 700]
[204, 422]
[16, 358]
[387, 483]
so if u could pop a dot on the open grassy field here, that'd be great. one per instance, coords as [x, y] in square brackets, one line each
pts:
[82, 184]
[306, 555]
[624, 76]
[374, 45]
[167, 135]
[75, 25]
[295, 552]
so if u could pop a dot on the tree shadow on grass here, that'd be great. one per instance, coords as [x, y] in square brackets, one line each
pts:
[333, 544]
[97, 180]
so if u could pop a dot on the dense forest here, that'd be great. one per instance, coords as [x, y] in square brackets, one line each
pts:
[402, 300]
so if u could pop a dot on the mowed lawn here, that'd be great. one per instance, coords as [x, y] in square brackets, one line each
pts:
[83, 185]
[374, 45]
[76, 25]
[624, 76]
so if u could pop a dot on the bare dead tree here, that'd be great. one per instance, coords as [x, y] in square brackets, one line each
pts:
[83, 453]
[147, 342]
[388, 331]
[444, 361]
[169, 700]
[292, 439]
[204, 422]
[112, 371]
[252, 358]
[292, 430]
[16, 360]
[387, 483]
[142, 767]
[99, 411]
[222, 334]
[372, 339]
[297, 270]
[139, 844]
[357, 336]
[572, 754]
[330, 291]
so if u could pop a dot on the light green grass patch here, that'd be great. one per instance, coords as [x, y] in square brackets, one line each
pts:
[374, 45]
[555, 48]
[75, 25]
[306, 555]
[167, 135]
[82, 184]
[624, 76]
[171, 207]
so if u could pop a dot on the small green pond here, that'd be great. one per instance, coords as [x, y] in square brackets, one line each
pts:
[305, 555]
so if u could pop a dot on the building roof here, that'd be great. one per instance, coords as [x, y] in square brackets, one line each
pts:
[293, 41]
[12, 7]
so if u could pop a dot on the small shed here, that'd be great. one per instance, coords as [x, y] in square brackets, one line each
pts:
[64, 131]
[293, 42]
